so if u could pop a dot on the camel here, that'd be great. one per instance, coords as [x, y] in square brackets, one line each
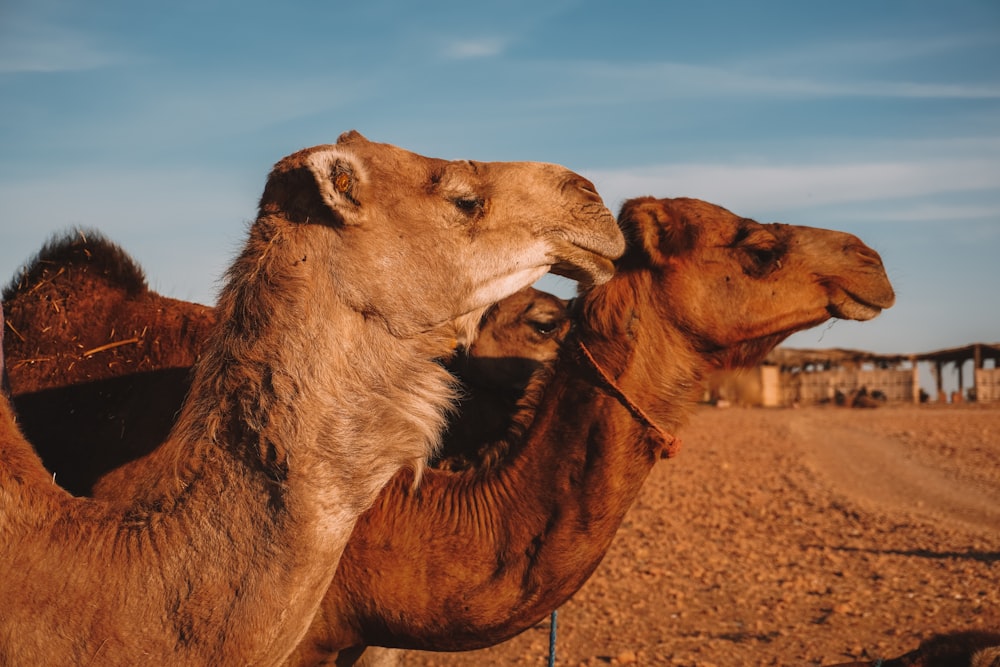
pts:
[971, 648]
[699, 288]
[106, 388]
[104, 379]
[518, 338]
[317, 384]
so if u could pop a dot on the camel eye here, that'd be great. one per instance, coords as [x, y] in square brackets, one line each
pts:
[544, 328]
[760, 251]
[760, 261]
[470, 206]
[762, 256]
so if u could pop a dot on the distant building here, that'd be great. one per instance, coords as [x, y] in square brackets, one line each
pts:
[853, 377]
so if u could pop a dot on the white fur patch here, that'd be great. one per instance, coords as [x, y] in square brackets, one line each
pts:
[321, 163]
[503, 286]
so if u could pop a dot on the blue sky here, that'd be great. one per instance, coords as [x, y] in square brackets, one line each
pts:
[881, 118]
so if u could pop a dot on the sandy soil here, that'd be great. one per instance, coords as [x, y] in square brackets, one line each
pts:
[792, 537]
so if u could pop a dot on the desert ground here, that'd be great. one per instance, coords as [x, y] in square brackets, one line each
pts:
[803, 536]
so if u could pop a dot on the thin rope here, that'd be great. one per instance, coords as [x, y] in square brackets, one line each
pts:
[552, 639]
[671, 443]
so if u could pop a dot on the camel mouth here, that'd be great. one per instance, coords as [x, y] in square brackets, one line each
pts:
[588, 257]
[593, 270]
[847, 305]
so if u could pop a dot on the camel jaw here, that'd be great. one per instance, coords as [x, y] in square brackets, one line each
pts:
[585, 261]
[847, 305]
[597, 271]
[588, 256]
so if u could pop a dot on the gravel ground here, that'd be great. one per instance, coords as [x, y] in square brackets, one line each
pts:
[792, 537]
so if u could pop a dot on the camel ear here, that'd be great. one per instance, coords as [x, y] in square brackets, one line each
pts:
[316, 186]
[351, 136]
[337, 175]
[654, 228]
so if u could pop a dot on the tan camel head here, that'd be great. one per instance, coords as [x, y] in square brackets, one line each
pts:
[738, 287]
[473, 232]
[516, 336]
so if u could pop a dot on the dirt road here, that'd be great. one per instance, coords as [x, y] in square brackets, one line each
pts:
[792, 537]
[884, 472]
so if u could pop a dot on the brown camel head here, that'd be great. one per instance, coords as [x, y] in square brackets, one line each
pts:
[738, 287]
[516, 336]
[478, 231]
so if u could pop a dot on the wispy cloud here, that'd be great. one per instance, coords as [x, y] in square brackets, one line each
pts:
[790, 186]
[932, 212]
[486, 47]
[170, 112]
[206, 105]
[838, 67]
[678, 80]
[28, 45]
[866, 53]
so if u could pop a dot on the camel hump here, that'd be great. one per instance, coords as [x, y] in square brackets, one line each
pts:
[79, 251]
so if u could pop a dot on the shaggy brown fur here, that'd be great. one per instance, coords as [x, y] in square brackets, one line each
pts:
[957, 649]
[84, 327]
[699, 288]
[319, 353]
[4, 380]
[84, 265]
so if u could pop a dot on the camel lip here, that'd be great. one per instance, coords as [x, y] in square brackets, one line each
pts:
[853, 307]
[587, 259]
[593, 270]
[846, 303]
[600, 235]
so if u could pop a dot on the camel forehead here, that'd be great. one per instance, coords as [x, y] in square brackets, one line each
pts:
[372, 158]
[702, 213]
[716, 225]
[547, 304]
[527, 300]
[368, 155]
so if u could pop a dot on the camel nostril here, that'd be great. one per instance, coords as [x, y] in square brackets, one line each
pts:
[578, 182]
[864, 252]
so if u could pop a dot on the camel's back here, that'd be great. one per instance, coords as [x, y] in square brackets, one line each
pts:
[127, 327]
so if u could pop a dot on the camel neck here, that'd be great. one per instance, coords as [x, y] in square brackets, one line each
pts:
[670, 443]
[630, 339]
[581, 444]
[293, 422]
[287, 371]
